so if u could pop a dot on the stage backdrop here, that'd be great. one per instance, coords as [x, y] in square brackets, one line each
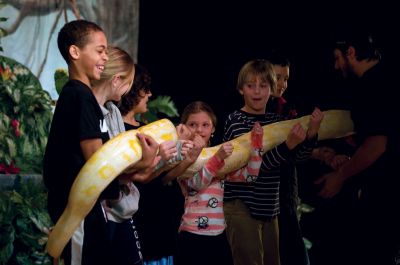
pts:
[33, 25]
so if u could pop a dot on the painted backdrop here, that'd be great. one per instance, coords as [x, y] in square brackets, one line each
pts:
[33, 25]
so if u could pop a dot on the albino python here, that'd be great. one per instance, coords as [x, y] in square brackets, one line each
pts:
[124, 150]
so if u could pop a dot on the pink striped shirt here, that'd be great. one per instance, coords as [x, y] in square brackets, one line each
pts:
[204, 195]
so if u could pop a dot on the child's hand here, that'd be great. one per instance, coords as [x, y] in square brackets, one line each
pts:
[187, 145]
[198, 145]
[149, 150]
[224, 151]
[315, 122]
[296, 135]
[167, 150]
[183, 132]
[144, 175]
[257, 136]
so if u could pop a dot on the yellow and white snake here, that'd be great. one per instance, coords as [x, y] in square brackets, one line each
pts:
[124, 150]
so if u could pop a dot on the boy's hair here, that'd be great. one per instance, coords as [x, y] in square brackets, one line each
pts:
[259, 67]
[75, 33]
[119, 62]
[277, 58]
[141, 82]
[196, 107]
[363, 43]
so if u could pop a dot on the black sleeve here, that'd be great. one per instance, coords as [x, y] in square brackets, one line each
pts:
[90, 120]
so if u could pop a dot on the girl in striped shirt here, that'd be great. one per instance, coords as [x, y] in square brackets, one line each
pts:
[202, 238]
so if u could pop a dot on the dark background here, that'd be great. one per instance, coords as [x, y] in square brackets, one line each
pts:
[195, 49]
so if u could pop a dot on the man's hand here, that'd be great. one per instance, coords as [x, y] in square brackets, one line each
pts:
[332, 184]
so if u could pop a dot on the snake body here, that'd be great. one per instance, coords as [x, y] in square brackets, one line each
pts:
[124, 150]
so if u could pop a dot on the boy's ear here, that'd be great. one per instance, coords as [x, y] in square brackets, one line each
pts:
[240, 91]
[74, 52]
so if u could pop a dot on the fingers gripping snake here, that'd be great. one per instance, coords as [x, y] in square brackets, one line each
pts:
[124, 150]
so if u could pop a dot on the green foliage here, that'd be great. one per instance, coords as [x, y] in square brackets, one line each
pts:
[60, 79]
[161, 104]
[24, 224]
[304, 208]
[25, 117]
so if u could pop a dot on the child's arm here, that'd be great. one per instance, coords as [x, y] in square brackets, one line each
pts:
[315, 122]
[149, 151]
[250, 172]
[90, 146]
[283, 152]
[304, 151]
[140, 170]
[204, 176]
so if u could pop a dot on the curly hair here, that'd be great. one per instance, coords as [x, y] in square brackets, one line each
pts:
[141, 82]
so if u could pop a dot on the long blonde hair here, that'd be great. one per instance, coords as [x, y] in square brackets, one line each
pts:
[119, 62]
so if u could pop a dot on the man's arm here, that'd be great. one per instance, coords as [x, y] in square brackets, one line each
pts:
[371, 149]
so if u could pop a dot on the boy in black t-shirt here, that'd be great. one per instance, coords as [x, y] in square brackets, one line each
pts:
[77, 131]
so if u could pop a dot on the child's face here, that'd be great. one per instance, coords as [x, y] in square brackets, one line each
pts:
[200, 123]
[255, 94]
[282, 77]
[141, 107]
[94, 55]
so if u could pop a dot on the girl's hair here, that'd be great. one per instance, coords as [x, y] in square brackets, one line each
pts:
[77, 33]
[196, 107]
[119, 62]
[259, 67]
[141, 82]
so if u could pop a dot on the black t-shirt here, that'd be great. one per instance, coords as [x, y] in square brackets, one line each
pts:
[77, 117]
[374, 114]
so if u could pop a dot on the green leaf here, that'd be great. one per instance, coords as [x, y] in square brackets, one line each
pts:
[307, 243]
[6, 253]
[60, 78]
[165, 105]
[12, 148]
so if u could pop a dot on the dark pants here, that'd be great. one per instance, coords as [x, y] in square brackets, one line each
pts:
[291, 245]
[125, 244]
[196, 249]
